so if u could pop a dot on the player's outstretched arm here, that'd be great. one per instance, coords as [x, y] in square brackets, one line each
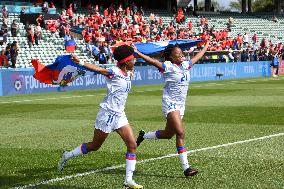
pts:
[148, 59]
[89, 66]
[201, 53]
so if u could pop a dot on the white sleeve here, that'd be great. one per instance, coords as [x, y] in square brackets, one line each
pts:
[167, 67]
[187, 64]
[112, 72]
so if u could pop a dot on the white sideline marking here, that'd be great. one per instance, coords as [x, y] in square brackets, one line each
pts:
[145, 161]
[149, 90]
[43, 99]
[252, 81]
[211, 83]
[66, 97]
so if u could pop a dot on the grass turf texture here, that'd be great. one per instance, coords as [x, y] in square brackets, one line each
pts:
[34, 133]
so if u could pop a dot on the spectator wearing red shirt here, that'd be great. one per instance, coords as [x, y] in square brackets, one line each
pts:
[240, 40]
[224, 34]
[106, 12]
[127, 11]
[229, 43]
[40, 20]
[51, 5]
[223, 44]
[254, 38]
[158, 37]
[218, 35]
[53, 27]
[87, 36]
[67, 29]
[181, 34]
[70, 11]
[3, 59]
[189, 25]
[160, 21]
[263, 43]
[180, 18]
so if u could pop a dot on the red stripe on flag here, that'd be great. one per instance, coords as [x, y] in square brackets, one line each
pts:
[44, 74]
[70, 49]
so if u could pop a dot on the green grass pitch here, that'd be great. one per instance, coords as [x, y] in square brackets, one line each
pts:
[35, 129]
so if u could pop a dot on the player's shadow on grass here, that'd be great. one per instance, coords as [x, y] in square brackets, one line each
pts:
[139, 173]
[8, 180]
[121, 171]
[64, 187]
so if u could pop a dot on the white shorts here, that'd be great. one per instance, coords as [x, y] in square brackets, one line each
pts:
[109, 121]
[170, 107]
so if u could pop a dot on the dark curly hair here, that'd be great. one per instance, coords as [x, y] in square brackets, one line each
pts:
[122, 52]
[168, 51]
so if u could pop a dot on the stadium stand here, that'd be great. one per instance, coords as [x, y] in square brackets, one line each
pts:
[51, 45]
[48, 48]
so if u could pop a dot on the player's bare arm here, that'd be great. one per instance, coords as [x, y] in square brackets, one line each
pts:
[89, 66]
[199, 55]
[148, 59]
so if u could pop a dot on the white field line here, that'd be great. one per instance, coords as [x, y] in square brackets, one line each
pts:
[149, 90]
[251, 81]
[43, 99]
[218, 84]
[66, 97]
[58, 179]
[236, 82]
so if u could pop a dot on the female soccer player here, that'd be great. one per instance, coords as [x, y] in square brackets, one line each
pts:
[111, 116]
[176, 75]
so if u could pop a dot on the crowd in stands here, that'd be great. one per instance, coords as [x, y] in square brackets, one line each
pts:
[105, 27]
[8, 55]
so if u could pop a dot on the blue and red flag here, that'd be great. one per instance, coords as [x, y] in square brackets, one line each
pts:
[61, 72]
[151, 48]
[70, 45]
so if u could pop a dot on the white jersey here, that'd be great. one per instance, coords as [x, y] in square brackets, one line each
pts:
[177, 79]
[118, 86]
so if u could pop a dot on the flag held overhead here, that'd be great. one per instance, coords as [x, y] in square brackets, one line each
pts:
[157, 47]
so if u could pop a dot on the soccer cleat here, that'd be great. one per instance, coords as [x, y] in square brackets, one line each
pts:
[140, 137]
[189, 172]
[131, 184]
[62, 161]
